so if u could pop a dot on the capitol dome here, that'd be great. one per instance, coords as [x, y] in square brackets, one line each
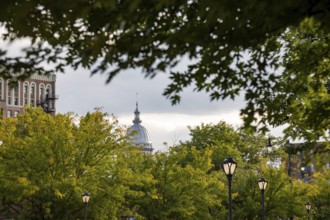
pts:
[138, 134]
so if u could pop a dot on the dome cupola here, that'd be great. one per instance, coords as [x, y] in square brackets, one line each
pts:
[138, 134]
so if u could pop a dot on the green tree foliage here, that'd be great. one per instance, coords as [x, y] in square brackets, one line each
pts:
[48, 162]
[320, 199]
[182, 189]
[275, 53]
[302, 98]
[284, 197]
[225, 140]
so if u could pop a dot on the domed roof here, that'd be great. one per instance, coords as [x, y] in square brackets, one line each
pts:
[138, 134]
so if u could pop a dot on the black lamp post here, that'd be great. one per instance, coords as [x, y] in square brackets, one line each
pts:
[85, 198]
[262, 183]
[229, 167]
[308, 207]
[269, 145]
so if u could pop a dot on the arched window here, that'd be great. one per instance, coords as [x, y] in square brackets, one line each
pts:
[1, 89]
[10, 92]
[16, 93]
[49, 90]
[33, 94]
[49, 95]
[26, 93]
[41, 92]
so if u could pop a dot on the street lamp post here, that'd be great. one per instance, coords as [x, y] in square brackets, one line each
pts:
[229, 167]
[308, 207]
[85, 198]
[262, 183]
[269, 145]
[291, 150]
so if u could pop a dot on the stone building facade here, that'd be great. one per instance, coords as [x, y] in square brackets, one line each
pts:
[38, 90]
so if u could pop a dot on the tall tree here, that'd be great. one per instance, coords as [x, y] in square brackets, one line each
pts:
[236, 48]
[48, 162]
[181, 188]
[320, 199]
[225, 140]
[254, 162]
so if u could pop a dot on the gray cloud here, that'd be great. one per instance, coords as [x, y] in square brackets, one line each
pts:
[80, 93]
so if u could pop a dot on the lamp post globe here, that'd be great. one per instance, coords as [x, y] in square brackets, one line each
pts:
[262, 183]
[85, 198]
[308, 207]
[229, 166]
[269, 145]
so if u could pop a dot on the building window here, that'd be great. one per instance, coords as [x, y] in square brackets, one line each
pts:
[9, 96]
[26, 93]
[9, 100]
[15, 113]
[47, 92]
[16, 94]
[41, 92]
[8, 113]
[33, 94]
[49, 95]
[1, 87]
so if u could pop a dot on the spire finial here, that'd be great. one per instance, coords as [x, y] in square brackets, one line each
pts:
[136, 112]
[137, 102]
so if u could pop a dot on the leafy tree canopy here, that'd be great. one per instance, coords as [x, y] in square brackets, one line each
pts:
[254, 161]
[225, 140]
[275, 53]
[48, 162]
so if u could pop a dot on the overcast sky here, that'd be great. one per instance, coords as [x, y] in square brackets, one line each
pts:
[79, 93]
